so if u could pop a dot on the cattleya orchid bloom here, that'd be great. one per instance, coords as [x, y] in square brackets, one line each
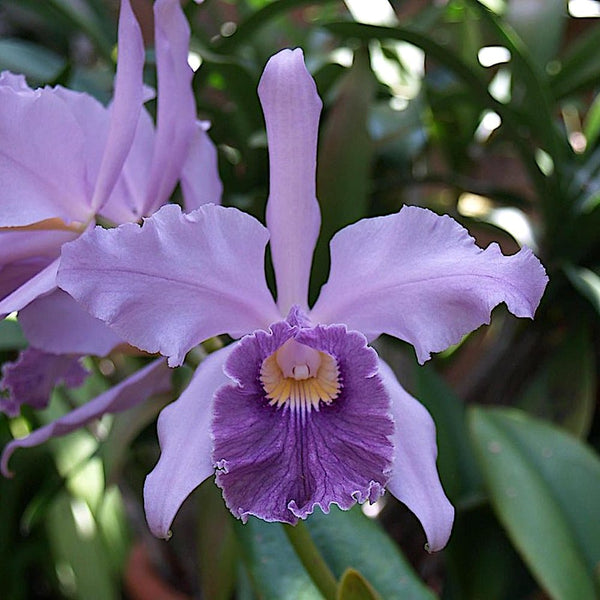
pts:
[67, 160]
[299, 411]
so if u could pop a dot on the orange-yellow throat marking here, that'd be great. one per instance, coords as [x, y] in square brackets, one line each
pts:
[302, 389]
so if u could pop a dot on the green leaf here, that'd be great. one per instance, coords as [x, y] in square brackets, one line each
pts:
[349, 539]
[344, 164]
[536, 102]
[481, 562]
[125, 428]
[353, 586]
[456, 463]
[11, 336]
[586, 282]
[564, 388]
[81, 557]
[275, 570]
[591, 125]
[580, 65]
[83, 18]
[217, 548]
[346, 539]
[37, 63]
[249, 28]
[544, 486]
[540, 23]
[514, 122]
[65, 17]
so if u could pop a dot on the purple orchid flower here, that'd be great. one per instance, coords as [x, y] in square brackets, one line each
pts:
[65, 161]
[300, 412]
[112, 162]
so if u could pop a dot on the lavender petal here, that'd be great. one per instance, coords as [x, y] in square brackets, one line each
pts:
[206, 268]
[155, 378]
[31, 379]
[292, 107]
[421, 278]
[415, 480]
[185, 442]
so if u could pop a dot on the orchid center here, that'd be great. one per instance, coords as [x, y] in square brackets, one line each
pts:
[300, 377]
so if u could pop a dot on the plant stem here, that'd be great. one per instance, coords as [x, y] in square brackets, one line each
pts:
[312, 560]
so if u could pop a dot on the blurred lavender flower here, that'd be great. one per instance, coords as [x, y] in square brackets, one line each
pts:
[300, 411]
[65, 161]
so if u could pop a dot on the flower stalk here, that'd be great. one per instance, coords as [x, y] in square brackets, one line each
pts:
[312, 560]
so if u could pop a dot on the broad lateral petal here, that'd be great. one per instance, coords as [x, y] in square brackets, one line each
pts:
[40, 284]
[415, 480]
[177, 280]
[186, 443]
[421, 278]
[126, 105]
[57, 324]
[155, 378]
[200, 181]
[292, 107]
[176, 110]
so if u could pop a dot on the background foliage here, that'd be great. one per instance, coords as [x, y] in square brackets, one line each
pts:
[489, 112]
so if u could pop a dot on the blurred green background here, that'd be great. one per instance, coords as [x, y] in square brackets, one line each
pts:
[487, 111]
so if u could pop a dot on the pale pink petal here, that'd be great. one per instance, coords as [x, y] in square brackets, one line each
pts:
[186, 445]
[420, 277]
[57, 324]
[292, 107]
[200, 181]
[415, 480]
[42, 283]
[176, 281]
[126, 105]
[155, 378]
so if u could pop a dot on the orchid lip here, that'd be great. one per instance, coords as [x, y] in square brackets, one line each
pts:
[299, 377]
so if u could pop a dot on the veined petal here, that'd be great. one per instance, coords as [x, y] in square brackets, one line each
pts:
[415, 480]
[176, 281]
[292, 107]
[155, 378]
[57, 324]
[42, 283]
[200, 181]
[126, 105]
[421, 278]
[279, 460]
[176, 110]
[186, 443]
